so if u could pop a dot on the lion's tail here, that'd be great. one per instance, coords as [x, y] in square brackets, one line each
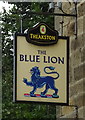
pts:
[51, 68]
[57, 75]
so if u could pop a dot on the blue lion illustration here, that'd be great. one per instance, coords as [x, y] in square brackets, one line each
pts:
[38, 81]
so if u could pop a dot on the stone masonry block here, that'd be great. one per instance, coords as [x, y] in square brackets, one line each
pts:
[77, 58]
[80, 100]
[72, 113]
[80, 25]
[72, 42]
[71, 28]
[71, 69]
[72, 38]
[84, 24]
[76, 88]
[57, 23]
[67, 110]
[70, 116]
[79, 72]
[79, 43]
[84, 84]
[66, 21]
[70, 74]
[66, 7]
[77, 100]
[58, 111]
[81, 9]
[83, 55]
[71, 100]
[84, 112]
[81, 112]
[65, 33]
[83, 39]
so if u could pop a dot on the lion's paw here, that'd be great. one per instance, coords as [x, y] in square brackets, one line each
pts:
[55, 96]
[43, 95]
[32, 95]
[24, 80]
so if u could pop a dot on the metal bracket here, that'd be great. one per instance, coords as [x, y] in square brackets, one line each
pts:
[22, 16]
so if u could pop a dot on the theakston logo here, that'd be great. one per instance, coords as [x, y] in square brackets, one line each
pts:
[42, 29]
[42, 34]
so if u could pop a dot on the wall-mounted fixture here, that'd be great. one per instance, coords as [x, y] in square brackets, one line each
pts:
[52, 6]
[58, 4]
[50, 11]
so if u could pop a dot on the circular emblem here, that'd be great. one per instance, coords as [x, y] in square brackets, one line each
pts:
[42, 29]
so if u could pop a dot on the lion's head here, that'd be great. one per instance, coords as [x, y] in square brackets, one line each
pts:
[35, 70]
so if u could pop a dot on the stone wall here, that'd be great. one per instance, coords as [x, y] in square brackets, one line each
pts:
[77, 60]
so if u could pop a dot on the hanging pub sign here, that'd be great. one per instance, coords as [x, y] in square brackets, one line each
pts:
[41, 66]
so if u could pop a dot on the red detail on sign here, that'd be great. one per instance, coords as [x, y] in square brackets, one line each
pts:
[43, 29]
